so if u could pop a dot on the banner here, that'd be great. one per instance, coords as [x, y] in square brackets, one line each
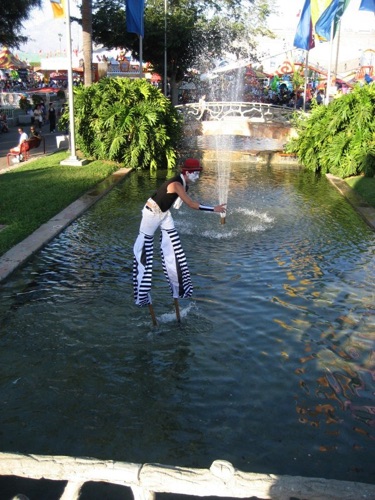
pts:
[332, 14]
[367, 5]
[304, 37]
[58, 8]
[135, 16]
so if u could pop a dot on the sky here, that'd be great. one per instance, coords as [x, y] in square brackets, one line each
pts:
[284, 24]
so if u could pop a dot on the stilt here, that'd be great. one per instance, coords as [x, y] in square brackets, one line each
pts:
[222, 220]
[152, 313]
[177, 307]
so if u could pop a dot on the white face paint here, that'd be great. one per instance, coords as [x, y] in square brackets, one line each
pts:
[192, 176]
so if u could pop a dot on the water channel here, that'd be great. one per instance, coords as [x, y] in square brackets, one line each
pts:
[272, 367]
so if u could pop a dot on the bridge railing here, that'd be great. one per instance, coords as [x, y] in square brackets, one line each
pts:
[145, 481]
[252, 111]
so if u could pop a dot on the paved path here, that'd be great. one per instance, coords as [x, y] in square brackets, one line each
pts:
[10, 139]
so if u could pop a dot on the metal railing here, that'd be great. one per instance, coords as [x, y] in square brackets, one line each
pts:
[251, 111]
[145, 481]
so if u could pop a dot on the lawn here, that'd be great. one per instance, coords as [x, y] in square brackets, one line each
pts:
[36, 191]
[365, 186]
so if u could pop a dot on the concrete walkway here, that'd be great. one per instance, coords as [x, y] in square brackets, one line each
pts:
[363, 208]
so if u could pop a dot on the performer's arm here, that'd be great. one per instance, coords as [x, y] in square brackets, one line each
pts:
[176, 187]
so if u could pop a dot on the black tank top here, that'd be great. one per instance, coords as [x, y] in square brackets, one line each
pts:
[162, 198]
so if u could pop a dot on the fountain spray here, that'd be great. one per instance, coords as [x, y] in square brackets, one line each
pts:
[223, 166]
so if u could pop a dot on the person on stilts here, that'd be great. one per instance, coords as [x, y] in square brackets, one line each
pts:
[156, 213]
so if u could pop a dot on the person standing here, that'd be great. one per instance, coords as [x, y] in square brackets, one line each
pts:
[38, 116]
[52, 117]
[156, 213]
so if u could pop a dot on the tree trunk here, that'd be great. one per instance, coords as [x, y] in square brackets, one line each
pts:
[87, 40]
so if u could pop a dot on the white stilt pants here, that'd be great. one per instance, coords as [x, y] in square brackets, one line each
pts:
[173, 257]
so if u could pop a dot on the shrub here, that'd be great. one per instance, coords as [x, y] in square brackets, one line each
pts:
[339, 138]
[127, 121]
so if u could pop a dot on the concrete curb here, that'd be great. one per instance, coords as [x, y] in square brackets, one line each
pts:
[21, 252]
[357, 202]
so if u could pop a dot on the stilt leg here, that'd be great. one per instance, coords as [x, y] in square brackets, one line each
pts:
[152, 313]
[177, 307]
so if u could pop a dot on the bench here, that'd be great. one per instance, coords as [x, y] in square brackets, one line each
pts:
[26, 146]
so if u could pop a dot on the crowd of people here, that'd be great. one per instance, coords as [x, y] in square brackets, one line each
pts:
[40, 116]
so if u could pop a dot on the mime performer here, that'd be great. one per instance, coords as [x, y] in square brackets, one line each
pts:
[156, 213]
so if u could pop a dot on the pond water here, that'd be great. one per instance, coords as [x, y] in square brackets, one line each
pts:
[272, 367]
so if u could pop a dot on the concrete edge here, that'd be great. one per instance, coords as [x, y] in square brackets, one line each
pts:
[366, 211]
[20, 253]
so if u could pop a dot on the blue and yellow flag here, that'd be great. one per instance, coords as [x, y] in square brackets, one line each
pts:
[58, 8]
[329, 18]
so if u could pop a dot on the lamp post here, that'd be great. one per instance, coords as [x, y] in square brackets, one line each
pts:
[60, 37]
[72, 160]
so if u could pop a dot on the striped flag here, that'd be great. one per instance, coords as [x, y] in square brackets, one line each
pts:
[304, 37]
[135, 17]
[332, 14]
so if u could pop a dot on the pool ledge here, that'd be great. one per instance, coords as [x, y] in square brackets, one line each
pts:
[358, 203]
[21, 252]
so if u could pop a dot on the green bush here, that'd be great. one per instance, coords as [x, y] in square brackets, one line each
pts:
[127, 121]
[339, 138]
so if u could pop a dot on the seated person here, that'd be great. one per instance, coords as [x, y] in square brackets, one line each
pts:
[23, 137]
[34, 133]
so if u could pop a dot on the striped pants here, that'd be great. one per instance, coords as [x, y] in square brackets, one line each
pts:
[173, 257]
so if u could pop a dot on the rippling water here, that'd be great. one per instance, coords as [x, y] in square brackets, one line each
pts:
[271, 369]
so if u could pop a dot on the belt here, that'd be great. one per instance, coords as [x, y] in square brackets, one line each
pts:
[152, 206]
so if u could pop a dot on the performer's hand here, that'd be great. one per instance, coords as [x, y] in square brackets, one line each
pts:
[221, 208]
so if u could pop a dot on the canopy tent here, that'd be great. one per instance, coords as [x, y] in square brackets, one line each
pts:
[10, 61]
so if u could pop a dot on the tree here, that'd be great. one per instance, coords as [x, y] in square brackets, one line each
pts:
[12, 14]
[87, 40]
[196, 31]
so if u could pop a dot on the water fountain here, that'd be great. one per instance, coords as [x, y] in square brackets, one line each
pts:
[270, 369]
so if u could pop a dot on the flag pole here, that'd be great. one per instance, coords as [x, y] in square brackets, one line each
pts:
[330, 63]
[140, 56]
[165, 49]
[306, 73]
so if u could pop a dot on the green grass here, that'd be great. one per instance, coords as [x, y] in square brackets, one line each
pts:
[33, 193]
[364, 186]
